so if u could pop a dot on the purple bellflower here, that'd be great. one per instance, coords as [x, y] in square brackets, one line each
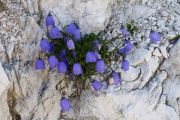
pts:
[55, 33]
[74, 54]
[50, 20]
[124, 31]
[73, 30]
[97, 44]
[77, 34]
[128, 46]
[70, 29]
[44, 44]
[117, 79]
[125, 65]
[62, 54]
[126, 49]
[100, 66]
[66, 61]
[90, 57]
[65, 104]
[96, 85]
[98, 56]
[121, 50]
[71, 76]
[39, 65]
[51, 46]
[77, 70]
[53, 62]
[70, 45]
[154, 37]
[62, 68]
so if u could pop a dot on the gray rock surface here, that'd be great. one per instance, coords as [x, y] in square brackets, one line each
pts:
[150, 90]
[4, 80]
[91, 15]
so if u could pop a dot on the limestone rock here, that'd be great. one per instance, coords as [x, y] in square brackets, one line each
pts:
[145, 94]
[164, 51]
[172, 89]
[139, 56]
[31, 36]
[171, 86]
[157, 52]
[91, 15]
[2, 52]
[149, 70]
[135, 105]
[131, 74]
[140, 11]
[4, 80]
[172, 64]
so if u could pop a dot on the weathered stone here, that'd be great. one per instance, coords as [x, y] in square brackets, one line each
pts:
[131, 74]
[157, 52]
[4, 81]
[139, 56]
[172, 64]
[164, 51]
[139, 104]
[151, 95]
[31, 36]
[91, 15]
[139, 11]
[149, 70]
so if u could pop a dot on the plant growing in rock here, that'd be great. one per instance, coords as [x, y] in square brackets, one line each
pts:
[78, 56]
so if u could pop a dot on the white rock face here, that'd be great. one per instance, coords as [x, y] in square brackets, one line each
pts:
[135, 105]
[139, 11]
[131, 74]
[91, 15]
[4, 81]
[149, 69]
[31, 36]
[149, 90]
[138, 56]
[172, 64]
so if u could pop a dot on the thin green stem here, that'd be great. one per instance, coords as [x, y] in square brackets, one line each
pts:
[59, 22]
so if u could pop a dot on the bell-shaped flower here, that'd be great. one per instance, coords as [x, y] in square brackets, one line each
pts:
[70, 45]
[77, 34]
[128, 46]
[39, 64]
[90, 57]
[77, 70]
[124, 31]
[74, 54]
[97, 44]
[51, 44]
[98, 56]
[50, 20]
[100, 66]
[45, 46]
[121, 50]
[71, 76]
[96, 85]
[70, 29]
[63, 54]
[53, 61]
[62, 68]
[125, 65]
[66, 61]
[117, 79]
[154, 37]
[65, 104]
[55, 33]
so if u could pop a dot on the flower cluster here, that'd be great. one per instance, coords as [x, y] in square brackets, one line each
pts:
[79, 56]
